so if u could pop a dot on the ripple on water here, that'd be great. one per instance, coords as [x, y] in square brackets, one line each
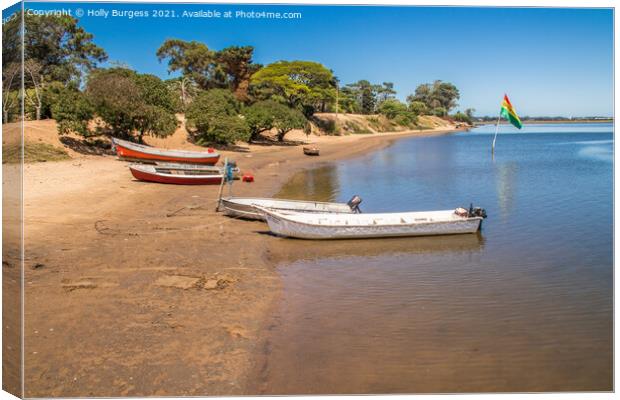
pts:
[524, 306]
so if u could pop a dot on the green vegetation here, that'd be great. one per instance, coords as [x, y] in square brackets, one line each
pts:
[225, 96]
[363, 97]
[229, 68]
[286, 119]
[462, 117]
[439, 97]
[72, 111]
[63, 49]
[129, 103]
[305, 84]
[214, 117]
[33, 152]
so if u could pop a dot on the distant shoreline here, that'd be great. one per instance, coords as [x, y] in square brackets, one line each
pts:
[547, 121]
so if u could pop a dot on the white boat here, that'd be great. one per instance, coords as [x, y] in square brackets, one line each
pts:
[357, 226]
[250, 207]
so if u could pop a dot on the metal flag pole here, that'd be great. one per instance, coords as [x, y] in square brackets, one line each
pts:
[496, 129]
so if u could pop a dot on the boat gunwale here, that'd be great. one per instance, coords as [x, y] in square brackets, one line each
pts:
[277, 215]
[164, 152]
[144, 168]
[282, 200]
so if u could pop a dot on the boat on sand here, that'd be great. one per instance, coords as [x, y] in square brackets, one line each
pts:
[178, 174]
[311, 150]
[358, 226]
[138, 152]
[250, 207]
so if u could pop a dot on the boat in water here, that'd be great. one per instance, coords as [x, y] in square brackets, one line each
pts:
[251, 207]
[178, 174]
[358, 226]
[138, 152]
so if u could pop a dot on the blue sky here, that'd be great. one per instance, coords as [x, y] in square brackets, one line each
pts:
[549, 61]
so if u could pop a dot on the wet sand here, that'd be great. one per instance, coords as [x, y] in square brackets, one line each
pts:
[138, 289]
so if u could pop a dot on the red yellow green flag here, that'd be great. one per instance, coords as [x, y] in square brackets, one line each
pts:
[509, 113]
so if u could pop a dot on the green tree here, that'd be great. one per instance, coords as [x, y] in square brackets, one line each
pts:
[462, 117]
[348, 101]
[132, 103]
[398, 112]
[304, 84]
[230, 68]
[237, 64]
[286, 119]
[260, 117]
[385, 92]
[439, 111]
[391, 108]
[438, 95]
[194, 59]
[418, 108]
[63, 49]
[72, 111]
[213, 117]
[365, 94]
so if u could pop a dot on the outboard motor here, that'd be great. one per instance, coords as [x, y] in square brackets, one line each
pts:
[476, 212]
[354, 203]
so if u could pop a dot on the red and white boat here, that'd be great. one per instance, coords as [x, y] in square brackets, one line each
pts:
[178, 174]
[139, 152]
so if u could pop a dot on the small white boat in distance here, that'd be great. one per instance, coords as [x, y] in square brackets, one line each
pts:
[358, 226]
[250, 207]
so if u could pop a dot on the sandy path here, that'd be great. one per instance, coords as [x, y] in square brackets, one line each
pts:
[140, 289]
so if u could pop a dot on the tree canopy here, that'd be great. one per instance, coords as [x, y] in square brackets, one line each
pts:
[230, 68]
[129, 102]
[440, 97]
[63, 49]
[214, 118]
[305, 84]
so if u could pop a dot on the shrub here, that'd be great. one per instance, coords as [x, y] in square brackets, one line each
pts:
[72, 112]
[461, 117]
[129, 102]
[391, 108]
[213, 117]
[439, 112]
[260, 117]
[418, 108]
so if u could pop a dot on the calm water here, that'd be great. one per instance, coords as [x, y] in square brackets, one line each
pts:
[526, 305]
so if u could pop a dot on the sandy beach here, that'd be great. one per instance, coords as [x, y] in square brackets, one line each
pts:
[139, 289]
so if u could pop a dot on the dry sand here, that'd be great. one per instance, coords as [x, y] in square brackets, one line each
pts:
[139, 289]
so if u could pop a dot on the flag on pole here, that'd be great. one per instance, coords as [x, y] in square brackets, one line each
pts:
[509, 113]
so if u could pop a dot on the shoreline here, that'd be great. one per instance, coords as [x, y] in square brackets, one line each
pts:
[175, 313]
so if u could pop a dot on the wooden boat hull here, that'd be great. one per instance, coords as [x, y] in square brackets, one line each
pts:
[245, 207]
[135, 152]
[144, 173]
[288, 225]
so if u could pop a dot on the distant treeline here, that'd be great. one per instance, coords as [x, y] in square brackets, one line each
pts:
[224, 94]
[543, 118]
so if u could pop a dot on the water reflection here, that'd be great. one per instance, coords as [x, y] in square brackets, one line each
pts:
[525, 306]
[505, 180]
[319, 184]
[288, 250]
